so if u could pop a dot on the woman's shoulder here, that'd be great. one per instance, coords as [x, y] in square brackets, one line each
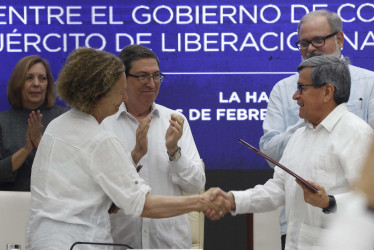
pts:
[4, 113]
[7, 115]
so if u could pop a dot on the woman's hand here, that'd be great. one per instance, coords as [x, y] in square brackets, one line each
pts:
[19, 157]
[217, 203]
[29, 146]
[35, 127]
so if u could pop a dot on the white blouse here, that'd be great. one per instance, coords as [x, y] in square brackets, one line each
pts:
[79, 169]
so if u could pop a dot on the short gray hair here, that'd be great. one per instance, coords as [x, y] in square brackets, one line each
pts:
[334, 20]
[330, 69]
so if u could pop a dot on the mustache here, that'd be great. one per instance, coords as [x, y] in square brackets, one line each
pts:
[313, 53]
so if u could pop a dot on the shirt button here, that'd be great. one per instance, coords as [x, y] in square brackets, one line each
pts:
[136, 182]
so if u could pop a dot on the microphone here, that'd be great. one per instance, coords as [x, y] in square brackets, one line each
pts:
[98, 243]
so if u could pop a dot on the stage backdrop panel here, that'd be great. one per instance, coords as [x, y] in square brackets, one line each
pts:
[221, 58]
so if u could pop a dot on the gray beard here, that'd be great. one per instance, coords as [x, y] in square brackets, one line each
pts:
[319, 53]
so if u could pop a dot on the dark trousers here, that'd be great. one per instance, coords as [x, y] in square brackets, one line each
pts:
[283, 240]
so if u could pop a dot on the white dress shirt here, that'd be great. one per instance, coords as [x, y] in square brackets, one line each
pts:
[331, 155]
[282, 117]
[164, 177]
[79, 169]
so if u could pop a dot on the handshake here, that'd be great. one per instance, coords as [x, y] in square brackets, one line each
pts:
[216, 203]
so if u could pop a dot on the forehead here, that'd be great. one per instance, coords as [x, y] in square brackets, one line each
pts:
[313, 27]
[37, 67]
[148, 65]
[305, 76]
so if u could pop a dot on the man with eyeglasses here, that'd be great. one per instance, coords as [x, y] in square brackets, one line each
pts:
[328, 152]
[171, 163]
[320, 33]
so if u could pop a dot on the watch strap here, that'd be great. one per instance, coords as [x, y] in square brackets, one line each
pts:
[332, 205]
[176, 155]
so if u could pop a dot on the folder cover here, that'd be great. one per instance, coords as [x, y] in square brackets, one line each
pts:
[310, 186]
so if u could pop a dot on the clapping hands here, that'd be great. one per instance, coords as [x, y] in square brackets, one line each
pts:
[174, 133]
[34, 131]
[141, 146]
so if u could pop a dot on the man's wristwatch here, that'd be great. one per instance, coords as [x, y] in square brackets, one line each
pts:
[332, 206]
[176, 156]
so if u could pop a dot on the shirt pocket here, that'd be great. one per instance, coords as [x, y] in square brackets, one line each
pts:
[356, 107]
[309, 237]
[324, 171]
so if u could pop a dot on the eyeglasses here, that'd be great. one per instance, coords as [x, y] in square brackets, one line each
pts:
[157, 77]
[316, 42]
[300, 87]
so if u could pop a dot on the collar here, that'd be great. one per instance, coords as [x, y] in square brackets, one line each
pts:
[331, 119]
[78, 112]
[123, 111]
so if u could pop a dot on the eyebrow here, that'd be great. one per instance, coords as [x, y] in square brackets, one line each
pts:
[28, 74]
[143, 72]
[312, 38]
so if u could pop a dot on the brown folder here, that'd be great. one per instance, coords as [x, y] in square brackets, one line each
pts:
[310, 186]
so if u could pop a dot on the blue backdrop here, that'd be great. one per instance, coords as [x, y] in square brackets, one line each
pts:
[222, 58]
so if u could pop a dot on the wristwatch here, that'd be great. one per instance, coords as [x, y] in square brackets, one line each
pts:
[176, 155]
[332, 205]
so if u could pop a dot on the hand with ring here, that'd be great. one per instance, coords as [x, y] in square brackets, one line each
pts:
[221, 204]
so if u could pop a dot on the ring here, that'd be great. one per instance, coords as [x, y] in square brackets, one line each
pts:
[220, 212]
